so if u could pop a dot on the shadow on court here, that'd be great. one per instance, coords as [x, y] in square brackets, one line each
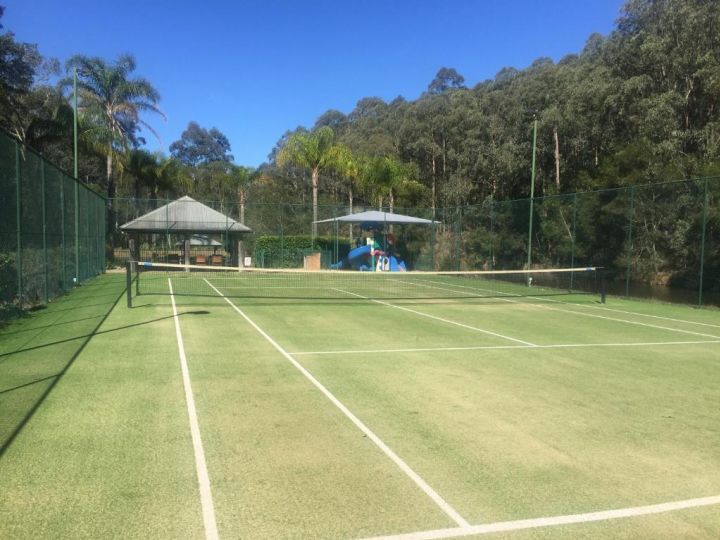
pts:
[36, 352]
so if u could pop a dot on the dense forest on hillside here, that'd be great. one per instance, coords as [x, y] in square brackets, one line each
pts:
[637, 106]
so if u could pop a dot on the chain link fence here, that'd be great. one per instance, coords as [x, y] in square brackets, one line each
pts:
[660, 241]
[52, 230]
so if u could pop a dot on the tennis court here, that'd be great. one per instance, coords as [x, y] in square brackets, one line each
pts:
[308, 405]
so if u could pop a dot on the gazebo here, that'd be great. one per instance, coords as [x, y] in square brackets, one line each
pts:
[182, 219]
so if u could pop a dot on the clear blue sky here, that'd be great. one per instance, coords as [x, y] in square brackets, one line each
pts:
[256, 68]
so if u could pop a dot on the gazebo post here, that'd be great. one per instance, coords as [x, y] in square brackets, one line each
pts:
[134, 245]
[186, 246]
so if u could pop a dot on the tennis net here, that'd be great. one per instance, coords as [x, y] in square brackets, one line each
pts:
[181, 280]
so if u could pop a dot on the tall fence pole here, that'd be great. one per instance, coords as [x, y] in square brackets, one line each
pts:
[532, 197]
[572, 239]
[76, 279]
[702, 244]
[44, 231]
[282, 239]
[18, 223]
[630, 241]
[62, 231]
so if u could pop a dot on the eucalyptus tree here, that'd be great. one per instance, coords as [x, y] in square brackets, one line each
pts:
[316, 151]
[199, 146]
[112, 101]
[18, 65]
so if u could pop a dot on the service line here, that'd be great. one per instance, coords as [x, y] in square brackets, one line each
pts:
[554, 521]
[429, 491]
[510, 297]
[493, 347]
[434, 317]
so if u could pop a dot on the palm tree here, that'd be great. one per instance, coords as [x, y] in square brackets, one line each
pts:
[241, 178]
[142, 169]
[385, 176]
[316, 151]
[113, 102]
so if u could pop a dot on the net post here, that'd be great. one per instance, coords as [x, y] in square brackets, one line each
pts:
[603, 285]
[128, 282]
[136, 266]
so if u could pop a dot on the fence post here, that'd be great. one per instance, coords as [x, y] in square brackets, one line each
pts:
[282, 239]
[62, 231]
[702, 244]
[337, 232]
[630, 241]
[18, 223]
[44, 231]
[76, 278]
[572, 245]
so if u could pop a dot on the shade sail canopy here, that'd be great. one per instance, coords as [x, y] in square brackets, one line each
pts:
[186, 215]
[375, 216]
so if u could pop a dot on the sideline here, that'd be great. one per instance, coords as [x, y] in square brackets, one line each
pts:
[206, 500]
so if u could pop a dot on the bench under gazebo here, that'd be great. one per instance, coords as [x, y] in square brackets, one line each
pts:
[183, 222]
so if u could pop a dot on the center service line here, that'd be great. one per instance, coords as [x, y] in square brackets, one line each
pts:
[430, 492]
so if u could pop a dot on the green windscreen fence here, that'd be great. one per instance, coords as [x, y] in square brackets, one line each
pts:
[52, 230]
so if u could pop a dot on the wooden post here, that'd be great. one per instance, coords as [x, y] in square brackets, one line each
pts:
[240, 254]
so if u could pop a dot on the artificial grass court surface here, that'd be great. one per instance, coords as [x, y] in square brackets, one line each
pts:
[499, 433]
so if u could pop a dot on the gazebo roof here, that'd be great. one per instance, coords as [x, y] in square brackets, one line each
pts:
[185, 215]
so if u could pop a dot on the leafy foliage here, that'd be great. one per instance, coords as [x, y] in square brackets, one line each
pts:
[199, 146]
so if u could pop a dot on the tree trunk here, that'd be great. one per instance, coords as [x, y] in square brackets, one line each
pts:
[241, 198]
[392, 209]
[110, 191]
[557, 158]
[315, 178]
[434, 189]
[350, 211]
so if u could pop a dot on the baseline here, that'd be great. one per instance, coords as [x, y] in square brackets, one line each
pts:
[424, 486]
[206, 500]
[503, 526]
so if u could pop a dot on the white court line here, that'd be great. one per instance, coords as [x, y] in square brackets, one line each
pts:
[206, 500]
[448, 321]
[430, 492]
[491, 347]
[574, 312]
[503, 526]
[637, 323]
[684, 321]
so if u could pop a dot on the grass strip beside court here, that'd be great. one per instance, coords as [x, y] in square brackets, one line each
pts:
[108, 453]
